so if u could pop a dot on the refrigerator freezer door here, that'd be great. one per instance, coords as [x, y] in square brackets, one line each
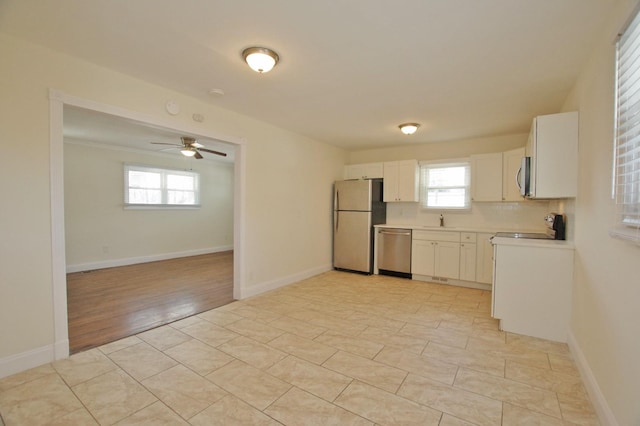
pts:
[353, 195]
[352, 241]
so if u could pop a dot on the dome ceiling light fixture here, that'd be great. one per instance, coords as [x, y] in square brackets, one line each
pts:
[409, 128]
[260, 59]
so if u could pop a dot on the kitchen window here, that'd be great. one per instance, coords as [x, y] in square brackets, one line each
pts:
[156, 187]
[445, 185]
[626, 170]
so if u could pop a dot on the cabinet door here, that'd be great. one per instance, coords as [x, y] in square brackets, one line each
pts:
[408, 180]
[486, 177]
[422, 257]
[447, 259]
[373, 170]
[554, 164]
[390, 187]
[353, 171]
[484, 258]
[468, 261]
[363, 171]
[511, 161]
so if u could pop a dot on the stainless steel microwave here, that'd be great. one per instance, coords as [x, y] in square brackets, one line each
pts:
[524, 177]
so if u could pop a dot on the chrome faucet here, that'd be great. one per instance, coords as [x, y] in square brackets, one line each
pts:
[441, 221]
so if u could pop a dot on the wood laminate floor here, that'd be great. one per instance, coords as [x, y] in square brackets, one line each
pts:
[108, 304]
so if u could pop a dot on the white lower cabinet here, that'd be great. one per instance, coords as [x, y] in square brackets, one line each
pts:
[484, 258]
[423, 257]
[468, 261]
[447, 259]
[450, 255]
[436, 254]
[532, 289]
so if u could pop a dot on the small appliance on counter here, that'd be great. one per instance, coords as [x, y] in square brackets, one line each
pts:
[357, 206]
[555, 224]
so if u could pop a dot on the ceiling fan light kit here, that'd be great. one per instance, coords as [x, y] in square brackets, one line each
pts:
[409, 128]
[191, 148]
[260, 59]
[188, 152]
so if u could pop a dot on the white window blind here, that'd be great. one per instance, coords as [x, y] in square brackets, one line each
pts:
[445, 185]
[152, 186]
[626, 179]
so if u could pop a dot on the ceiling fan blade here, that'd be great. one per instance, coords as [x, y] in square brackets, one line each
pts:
[198, 156]
[164, 143]
[212, 151]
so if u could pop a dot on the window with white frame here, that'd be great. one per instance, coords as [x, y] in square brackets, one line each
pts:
[445, 185]
[152, 186]
[626, 171]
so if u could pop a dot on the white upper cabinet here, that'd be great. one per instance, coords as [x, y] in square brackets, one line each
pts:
[363, 171]
[494, 176]
[486, 177]
[553, 148]
[401, 179]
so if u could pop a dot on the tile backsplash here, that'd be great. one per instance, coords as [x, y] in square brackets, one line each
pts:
[520, 216]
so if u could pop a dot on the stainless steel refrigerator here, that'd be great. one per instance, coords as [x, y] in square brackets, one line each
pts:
[357, 206]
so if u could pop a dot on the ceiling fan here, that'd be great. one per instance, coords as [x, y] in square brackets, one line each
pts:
[191, 148]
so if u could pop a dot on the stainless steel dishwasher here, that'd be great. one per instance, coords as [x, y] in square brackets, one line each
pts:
[394, 252]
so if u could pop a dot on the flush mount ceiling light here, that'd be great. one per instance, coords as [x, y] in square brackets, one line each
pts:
[260, 59]
[409, 128]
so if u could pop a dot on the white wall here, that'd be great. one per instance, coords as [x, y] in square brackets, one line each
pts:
[606, 316]
[526, 215]
[101, 233]
[288, 182]
[440, 150]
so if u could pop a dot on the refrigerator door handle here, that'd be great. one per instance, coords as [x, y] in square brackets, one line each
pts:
[337, 219]
[337, 200]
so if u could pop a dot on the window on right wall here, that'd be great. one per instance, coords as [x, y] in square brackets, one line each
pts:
[626, 168]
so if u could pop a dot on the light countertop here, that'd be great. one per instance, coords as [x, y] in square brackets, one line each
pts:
[456, 228]
[528, 242]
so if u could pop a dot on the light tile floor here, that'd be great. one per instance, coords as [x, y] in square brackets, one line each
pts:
[335, 349]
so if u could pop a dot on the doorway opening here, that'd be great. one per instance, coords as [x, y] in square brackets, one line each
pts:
[173, 297]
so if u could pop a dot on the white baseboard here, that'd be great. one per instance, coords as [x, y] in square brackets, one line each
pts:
[143, 259]
[605, 415]
[451, 281]
[280, 282]
[23, 361]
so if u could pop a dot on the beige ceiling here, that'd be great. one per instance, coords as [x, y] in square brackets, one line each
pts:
[350, 70]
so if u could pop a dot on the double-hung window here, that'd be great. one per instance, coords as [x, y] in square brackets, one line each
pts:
[445, 185]
[626, 171]
[157, 187]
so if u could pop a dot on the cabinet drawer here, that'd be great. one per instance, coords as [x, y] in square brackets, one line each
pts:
[436, 235]
[468, 237]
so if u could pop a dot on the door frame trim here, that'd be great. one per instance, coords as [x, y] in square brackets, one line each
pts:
[57, 101]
